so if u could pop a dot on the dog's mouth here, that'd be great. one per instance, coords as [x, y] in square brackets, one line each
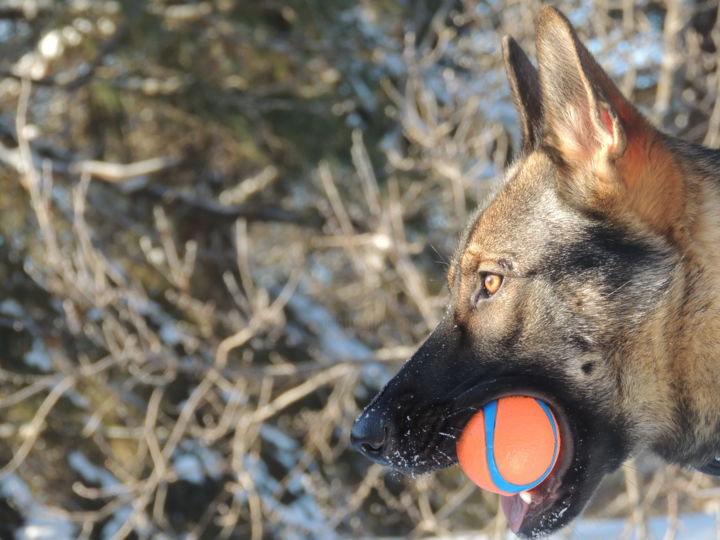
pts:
[546, 503]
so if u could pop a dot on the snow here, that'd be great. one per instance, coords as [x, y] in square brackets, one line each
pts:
[170, 334]
[193, 462]
[287, 448]
[189, 468]
[41, 522]
[278, 438]
[689, 527]
[12, 308]
[90, 473]
[119, 518]
[38, 357]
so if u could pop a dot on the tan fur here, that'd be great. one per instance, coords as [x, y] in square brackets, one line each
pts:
[696, 363]
[654, 185]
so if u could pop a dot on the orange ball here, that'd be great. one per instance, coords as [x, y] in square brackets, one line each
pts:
[510, 445]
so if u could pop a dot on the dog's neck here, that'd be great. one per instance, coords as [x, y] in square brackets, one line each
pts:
[694, 361]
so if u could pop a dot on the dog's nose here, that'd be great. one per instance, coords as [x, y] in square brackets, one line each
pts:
[369, 435]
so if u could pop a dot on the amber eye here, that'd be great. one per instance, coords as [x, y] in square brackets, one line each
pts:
[491, 283]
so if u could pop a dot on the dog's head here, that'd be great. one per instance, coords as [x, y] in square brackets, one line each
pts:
[552, 282]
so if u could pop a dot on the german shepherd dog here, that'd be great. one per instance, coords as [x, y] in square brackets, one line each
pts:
[591, 281]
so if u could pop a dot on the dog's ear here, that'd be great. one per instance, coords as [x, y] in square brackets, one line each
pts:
[583, 108]
[525, 88]
[617, 160]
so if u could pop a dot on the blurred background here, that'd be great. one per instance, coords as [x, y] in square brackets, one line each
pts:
[224, 225]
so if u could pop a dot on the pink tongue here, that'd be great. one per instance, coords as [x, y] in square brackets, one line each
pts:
[515, 509]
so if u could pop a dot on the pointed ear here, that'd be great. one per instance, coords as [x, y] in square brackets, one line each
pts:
[525, 88]
[581, 103]
[616, 159]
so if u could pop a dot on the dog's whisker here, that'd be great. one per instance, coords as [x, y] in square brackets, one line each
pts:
[447, 435]
[463, 410]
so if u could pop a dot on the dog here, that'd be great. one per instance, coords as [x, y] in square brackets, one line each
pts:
[590, 280]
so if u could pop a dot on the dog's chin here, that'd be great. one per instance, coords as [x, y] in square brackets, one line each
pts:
[554, 503]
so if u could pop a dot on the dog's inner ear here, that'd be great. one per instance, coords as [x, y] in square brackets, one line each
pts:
[581, 119]
[525, 88]
[617, 160]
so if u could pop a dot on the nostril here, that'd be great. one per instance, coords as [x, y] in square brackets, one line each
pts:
[368, 448]
[369, 436]
[374, 447]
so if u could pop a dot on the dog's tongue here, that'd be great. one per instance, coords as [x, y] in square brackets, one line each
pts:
[515, 509]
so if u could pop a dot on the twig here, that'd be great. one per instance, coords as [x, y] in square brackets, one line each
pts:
[122, 172]
[32, 430]
[300, 391]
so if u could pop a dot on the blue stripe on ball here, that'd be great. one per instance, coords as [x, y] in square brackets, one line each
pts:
[490, 412]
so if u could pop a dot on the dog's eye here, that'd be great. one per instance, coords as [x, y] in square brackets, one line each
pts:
[491, 283]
